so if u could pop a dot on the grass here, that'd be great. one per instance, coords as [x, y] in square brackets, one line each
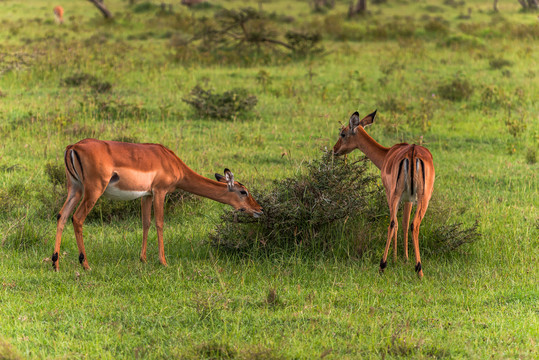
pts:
[475, 303]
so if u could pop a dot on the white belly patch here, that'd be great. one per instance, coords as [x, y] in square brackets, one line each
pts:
[113, 192]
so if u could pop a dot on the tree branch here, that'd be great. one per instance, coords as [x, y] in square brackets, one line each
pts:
[101, 6]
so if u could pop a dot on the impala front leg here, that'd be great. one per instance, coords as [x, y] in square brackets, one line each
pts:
[158, 211]
[146, 207]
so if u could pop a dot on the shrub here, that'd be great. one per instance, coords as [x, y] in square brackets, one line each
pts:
[304, 43]
[455, 90]
[398, 27]
[499, 63]
[463, 41]
[84, 79]
[144, 7]
[493, 95]
[225, 106]
[437, 25]
[531, 155]
[299, 210]
[515, 126]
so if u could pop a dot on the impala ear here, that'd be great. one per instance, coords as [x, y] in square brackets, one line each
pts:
[354, 121]
[368, 120]
[220, 177]
[229, 179]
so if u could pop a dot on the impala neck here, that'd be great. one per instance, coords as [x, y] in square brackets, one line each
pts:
[373, 150]
[200, 185]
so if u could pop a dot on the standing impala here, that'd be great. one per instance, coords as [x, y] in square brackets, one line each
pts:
[127, 171]
[407, 174]
[58, 14]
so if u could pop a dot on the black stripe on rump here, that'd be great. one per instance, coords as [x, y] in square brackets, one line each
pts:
[412, 172]
[67, 167]
[423, 172]
[399, 173]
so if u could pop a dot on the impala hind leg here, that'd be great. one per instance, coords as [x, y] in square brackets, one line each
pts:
[146, 206]
[73, 197]
[88, 201]
[416, 223]
[405, 222]
[391, 231]
[158, 211]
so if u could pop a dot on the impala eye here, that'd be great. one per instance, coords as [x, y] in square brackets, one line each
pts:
[343, 135]
[243, 192]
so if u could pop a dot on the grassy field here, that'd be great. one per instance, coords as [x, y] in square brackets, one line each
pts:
[411, 60]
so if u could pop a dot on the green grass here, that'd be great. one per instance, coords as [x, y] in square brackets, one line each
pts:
[476, 303]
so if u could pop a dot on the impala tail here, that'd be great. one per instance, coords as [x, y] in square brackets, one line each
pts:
[411, 177]
[73, 164]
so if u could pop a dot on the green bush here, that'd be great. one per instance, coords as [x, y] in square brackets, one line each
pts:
[225, 106]
[531, 155]
[300, 210]
[84, 79]
[437, 25]
[499, 63]
[144, 7]
[455, 90]
[465, 41]
[493, 96]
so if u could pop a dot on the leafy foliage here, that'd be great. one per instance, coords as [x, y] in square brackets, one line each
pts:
[225, 106]
[298, 210]
[82, 79]
[246, 31]
[456, 90]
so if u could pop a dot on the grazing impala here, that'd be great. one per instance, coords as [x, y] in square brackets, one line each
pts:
[127, 171]
[58, 14]
[407, 174]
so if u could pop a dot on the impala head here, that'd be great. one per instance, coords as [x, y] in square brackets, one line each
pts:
[242, 199]
[347, 141]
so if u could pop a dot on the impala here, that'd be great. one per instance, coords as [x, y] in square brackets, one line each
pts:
[58, 14]
[127, 171]
[407, 174]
